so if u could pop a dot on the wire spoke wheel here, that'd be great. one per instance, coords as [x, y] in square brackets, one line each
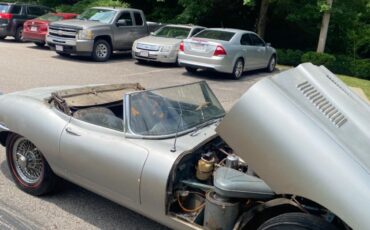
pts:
[28, 161]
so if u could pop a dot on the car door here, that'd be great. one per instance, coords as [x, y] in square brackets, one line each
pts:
[140, 29]
[124, 34]
[102, 160]
[261, 51]
[250, 52]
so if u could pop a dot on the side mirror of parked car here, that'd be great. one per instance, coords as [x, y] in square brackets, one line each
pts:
[122, 22]
[268, 44]
[152, 33]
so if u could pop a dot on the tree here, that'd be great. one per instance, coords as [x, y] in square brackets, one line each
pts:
[324, 25]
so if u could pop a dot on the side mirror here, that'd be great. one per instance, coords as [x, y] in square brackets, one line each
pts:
[152, 33]
[122, 22]
[268, 44]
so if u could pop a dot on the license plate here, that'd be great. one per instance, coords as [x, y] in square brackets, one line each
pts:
[144, 53]
[198, 47]
[58, 48]
[33, 28]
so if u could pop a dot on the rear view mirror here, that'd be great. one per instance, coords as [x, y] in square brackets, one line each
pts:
[122, 22]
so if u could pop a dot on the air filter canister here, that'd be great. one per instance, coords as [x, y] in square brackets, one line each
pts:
[220, 213]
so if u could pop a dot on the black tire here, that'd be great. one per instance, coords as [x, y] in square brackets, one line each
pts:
[102, 51]
[40, 44]
[44, 183]
[18, 34]
[296, 221]
[2, 37]
[272, 64]
[63, 54]
[191, 69]
[238, 69]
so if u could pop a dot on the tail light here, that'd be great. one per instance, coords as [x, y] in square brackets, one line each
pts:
[43, 28]
[220, 51]
[181, 46]
[7, 16]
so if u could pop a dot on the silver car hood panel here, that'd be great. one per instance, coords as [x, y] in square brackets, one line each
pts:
[152, 40]
[306, 133]
[77, 23]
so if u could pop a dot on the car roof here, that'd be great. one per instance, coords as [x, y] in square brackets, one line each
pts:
[184, 26]
[232, 30]
[116, 8]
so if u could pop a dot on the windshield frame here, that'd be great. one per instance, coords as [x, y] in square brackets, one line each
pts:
[129, 133]
[97, 9]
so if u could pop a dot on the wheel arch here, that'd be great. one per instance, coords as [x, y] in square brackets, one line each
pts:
[3, 137]
[107, 38]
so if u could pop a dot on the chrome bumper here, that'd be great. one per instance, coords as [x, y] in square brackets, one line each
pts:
[77, 46]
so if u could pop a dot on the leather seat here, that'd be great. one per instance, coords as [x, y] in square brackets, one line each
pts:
[100, 116]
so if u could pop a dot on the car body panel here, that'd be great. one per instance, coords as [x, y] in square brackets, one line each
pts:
[282, 128]
[254, 57]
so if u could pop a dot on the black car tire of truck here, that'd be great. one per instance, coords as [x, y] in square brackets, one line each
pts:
[29, 169]
[102, 51]
[296, 221]
[18, 34]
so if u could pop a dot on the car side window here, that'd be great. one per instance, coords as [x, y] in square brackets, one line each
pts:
[256, 41]
[195, 31]
[16, 9]
[126, 16]
[245, 40]
[138, 19]
[34, 10]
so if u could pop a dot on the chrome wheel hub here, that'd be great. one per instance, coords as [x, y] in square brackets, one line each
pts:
[239, 69]
[27, 161]
[101, 50]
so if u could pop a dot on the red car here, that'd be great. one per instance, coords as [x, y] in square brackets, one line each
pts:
[35, 30]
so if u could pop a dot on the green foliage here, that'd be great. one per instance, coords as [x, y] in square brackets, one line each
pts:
[193, 10]
[318, 58]
[289, 57]
[80, 6]
[361, 68]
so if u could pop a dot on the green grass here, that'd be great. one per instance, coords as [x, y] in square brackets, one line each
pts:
[356, 82]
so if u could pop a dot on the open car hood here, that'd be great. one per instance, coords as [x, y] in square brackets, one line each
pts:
[306, 133]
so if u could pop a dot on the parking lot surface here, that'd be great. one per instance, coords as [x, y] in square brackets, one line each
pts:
[24, 66]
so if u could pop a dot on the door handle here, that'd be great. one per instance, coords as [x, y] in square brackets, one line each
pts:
[70, 131]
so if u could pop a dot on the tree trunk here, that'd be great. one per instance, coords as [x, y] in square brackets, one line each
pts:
[262, 20]
[324, 29]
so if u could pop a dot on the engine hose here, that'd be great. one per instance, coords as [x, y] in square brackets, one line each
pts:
[190, 210]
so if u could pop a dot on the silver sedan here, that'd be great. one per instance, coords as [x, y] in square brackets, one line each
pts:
[226, 50]
[163, 45]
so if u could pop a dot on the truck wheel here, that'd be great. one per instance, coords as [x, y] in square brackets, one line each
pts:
[18, 34]
[102, 51]
[296, 221]
[30, 170]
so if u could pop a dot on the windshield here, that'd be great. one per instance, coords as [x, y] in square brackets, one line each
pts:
[173, 110]
[172, 32]
[101, 15]
[50, 17]
[4, 8]
[215, 34]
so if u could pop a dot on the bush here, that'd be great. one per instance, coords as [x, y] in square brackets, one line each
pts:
[361, 68]
[81, 6]
[289, 57]
[319, 58]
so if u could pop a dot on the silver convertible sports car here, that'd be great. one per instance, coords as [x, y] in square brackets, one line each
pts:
[293, 153]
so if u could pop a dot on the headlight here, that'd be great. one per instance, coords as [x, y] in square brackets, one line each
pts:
[85, 35]
[165, 49]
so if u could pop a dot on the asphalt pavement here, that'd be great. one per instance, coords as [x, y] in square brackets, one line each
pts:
[24, 66]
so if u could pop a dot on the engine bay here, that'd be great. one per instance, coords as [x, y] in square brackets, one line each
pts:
[211, 186]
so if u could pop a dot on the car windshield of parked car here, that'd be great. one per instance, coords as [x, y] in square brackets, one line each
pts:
[167, 111]
[215, 34]
[4, 8]
[50, 18]
[172, 32]
[101, 15]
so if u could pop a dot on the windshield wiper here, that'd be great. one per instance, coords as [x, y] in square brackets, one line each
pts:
[207, 123]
